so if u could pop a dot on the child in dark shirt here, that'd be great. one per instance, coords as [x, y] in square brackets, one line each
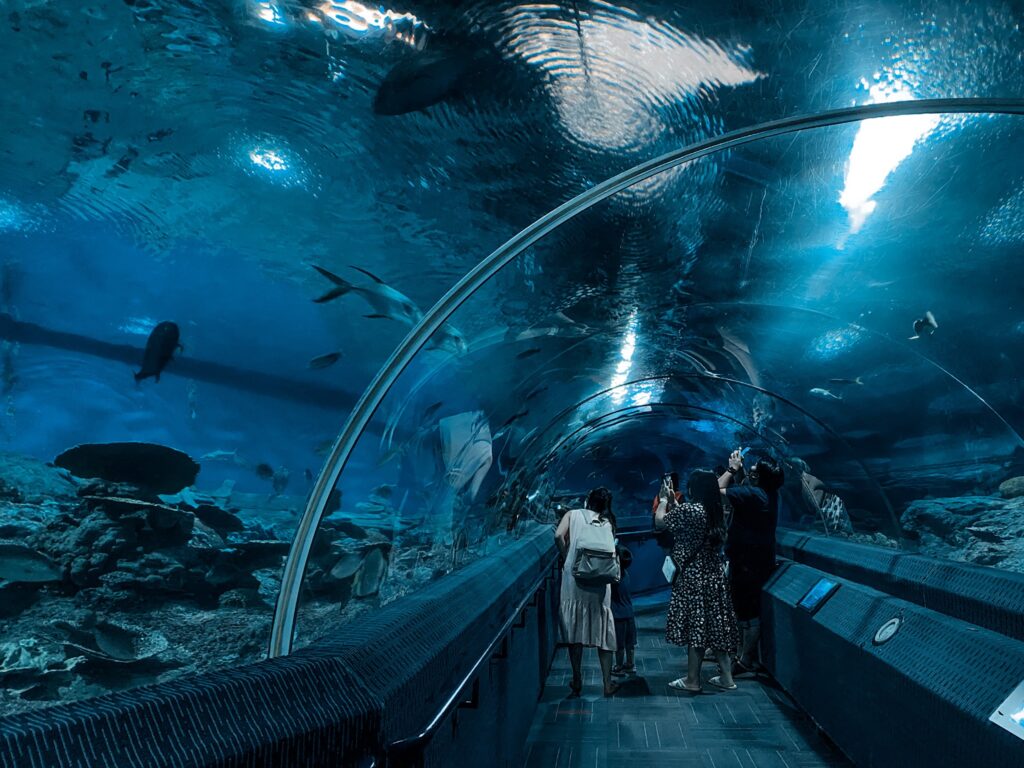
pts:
[625, 624]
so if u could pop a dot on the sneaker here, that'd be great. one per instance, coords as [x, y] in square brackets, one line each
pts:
[621, 670]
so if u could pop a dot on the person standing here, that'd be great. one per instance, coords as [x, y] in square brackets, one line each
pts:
[750, 546]
[700, 614]
[585, 612]
[625, 621]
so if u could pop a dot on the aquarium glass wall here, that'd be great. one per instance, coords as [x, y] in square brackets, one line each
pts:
[217, 220]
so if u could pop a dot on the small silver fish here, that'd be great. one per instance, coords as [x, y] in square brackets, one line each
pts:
[824, 394]
[857, 381]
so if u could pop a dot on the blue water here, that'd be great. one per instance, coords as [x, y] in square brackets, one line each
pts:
[175, 163]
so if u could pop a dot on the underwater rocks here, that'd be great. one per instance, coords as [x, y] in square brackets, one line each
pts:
[154, 467]
[1012, 488]
[986, 530]
[22, 564]
[24, 479]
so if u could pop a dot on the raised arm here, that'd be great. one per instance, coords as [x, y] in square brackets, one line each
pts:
[659, 513]
[735, 465]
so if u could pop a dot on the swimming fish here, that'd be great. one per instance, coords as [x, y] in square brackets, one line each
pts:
[325, 361]
[371, 574]
[536, 392]
[514, 418]
[388, 303]
[308, 474]
[230, 456]
[264, 471]
[432, 410]
[382, 491]
[528, 353]
[418, 84]
[824, 394]
[160, 348]
[924, 326]
[857, 381]
[279, 480]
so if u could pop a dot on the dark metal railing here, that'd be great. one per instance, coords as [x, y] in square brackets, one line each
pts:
[466, 695]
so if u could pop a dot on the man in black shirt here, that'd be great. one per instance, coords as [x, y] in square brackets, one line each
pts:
[750, 545]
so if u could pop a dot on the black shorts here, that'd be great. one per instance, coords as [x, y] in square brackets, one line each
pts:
[746, 585]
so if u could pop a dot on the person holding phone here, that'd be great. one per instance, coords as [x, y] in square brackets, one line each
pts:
[700, 613]
[750, 546]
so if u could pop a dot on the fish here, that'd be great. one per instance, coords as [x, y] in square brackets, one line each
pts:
[389, 303]
[324, 361]
[824, 394]
[924, 326]
[264, 471]
[347, 566]
[324, 447]
[382, 491]
[857, 381]
[536, 392]
[385, 300]
[20, 563]
[432, 410]
[528, 353]
[163, 342]
[279, 480]
[220, 456]
[371, 574]
[425, 80]
[308, 474]
[514, 418]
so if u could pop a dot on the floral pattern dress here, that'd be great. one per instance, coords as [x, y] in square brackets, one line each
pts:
[700, 612]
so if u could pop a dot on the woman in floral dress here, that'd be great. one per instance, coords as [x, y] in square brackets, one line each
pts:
[700, 613]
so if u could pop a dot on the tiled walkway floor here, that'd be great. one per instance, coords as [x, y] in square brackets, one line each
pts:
[648, 724]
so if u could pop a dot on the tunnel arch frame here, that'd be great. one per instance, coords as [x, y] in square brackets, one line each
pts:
[286, 608]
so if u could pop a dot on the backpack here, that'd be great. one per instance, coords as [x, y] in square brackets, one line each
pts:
[597, 562]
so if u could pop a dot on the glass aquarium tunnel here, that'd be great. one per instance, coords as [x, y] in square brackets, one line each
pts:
[306, 306]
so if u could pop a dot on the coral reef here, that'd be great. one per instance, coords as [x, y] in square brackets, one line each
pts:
[108, 582]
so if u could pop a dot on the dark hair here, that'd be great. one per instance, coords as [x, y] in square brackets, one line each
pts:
[703, 489]
[600, 500]
[770, 476]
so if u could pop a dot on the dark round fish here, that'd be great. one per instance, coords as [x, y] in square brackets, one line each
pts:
[264, 471]
[160, 348]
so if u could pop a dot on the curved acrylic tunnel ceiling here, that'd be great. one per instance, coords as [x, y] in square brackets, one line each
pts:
[192, 162]
[594, 301]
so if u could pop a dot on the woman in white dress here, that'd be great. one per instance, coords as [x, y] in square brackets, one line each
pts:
[586, 612]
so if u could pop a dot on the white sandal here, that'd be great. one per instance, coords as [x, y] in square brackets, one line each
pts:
[680, 685]
[717, 682]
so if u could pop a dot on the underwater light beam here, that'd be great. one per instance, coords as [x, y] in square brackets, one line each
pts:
[878, 148]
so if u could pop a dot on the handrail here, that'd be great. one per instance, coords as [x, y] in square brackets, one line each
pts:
[411, 748]
[283, 627]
